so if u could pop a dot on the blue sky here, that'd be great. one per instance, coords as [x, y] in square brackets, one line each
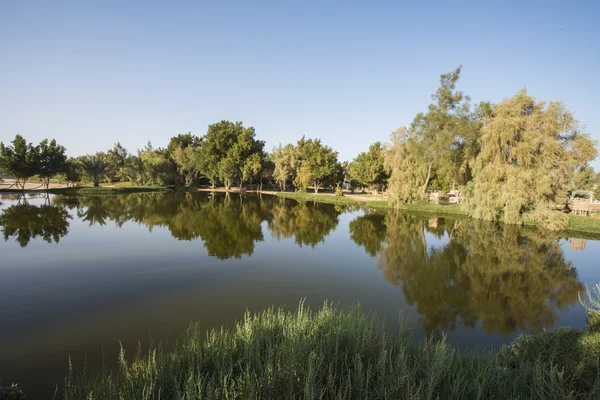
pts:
[93, 73]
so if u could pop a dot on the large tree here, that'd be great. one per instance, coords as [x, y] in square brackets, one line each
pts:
[231, 153]
[116, 159]
[52, 160]
[406, 169]
[285, 164]
[368, 167]
[19, 160]
[530, 153]
[316, 161]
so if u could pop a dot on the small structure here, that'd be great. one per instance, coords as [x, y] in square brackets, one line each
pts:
[433, 222]
[454, 197]
[577, 244]
[434, 197]
[580, 206]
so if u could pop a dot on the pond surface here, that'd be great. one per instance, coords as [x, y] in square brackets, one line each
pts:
[80, 275]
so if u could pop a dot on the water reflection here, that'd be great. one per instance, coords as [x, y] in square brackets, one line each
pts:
[26, 222]
[509, 278]
[229, 226]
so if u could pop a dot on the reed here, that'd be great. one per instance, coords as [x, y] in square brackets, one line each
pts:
[343, 354]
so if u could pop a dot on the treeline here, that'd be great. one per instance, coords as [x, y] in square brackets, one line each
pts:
[514, 161]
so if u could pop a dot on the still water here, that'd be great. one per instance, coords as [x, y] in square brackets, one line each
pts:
[80, 275]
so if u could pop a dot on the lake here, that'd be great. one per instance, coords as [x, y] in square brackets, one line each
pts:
[80, 275]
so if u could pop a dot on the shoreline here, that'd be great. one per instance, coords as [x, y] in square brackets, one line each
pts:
[578, 226]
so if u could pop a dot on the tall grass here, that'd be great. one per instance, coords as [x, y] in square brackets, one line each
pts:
[337, 354]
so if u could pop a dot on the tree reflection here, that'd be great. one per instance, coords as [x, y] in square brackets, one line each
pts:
[508, 278]
[307, 223]
[369, 231]
[27, 222]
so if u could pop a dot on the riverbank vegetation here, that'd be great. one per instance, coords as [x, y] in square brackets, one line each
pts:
[520, 161]
[335, 353]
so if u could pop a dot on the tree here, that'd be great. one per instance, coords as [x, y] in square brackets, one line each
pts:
[158, 169]
[319, 161]
[439, 132]
[230, 153]
[530, 153]
[95, 166]
[284, 159]
[406, 169]
[51, 160]
[73, 171]
[182, 141]
[187, 161]
[368, 167]
[19, 160]
[116, 159]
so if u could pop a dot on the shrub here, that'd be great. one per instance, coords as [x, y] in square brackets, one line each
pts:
[12, 392]
[592, 305]
[339, 191]
[336, 354]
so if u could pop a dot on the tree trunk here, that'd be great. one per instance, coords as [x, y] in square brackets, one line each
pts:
[316, 187]
[427, 179]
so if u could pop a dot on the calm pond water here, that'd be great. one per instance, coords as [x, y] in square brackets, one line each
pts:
[80, 275]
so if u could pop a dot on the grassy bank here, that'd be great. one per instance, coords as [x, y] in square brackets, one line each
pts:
[578, 226]
[345, 354]
[92, 191]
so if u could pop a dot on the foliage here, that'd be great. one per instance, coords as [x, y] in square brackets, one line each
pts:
[52, 160]
[333, 353]
[406, 170]
[12, 392]
[317, 163]
[592, 306]
[19, 160]
[368, 168]
[73, 172]
[95, 167]
[530, 152]
[285, 165]
[186, 159]
[339, 191]
[27, 222]
[117, 159]
[506, 278]
[230, 153]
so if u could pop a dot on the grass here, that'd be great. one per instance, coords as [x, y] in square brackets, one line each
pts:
[93, 191]
[333, 353]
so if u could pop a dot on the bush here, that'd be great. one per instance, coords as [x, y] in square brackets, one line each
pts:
[12, 392]
[592, 305]
[335, 354]
[339, 191]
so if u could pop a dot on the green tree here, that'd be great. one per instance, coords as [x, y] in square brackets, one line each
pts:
[285, 164]
[406, 169]
[73, 173]
[187, 161]
[319, 162]
[182, 141]
[116, 159]
[52, 160]
[19, 160]
[95, 167]
[368, 167]
[530, 153]
[231, 153]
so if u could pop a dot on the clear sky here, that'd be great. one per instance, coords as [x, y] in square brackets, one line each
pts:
[92, 73]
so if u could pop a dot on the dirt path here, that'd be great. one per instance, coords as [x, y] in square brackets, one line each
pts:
[10, 184]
